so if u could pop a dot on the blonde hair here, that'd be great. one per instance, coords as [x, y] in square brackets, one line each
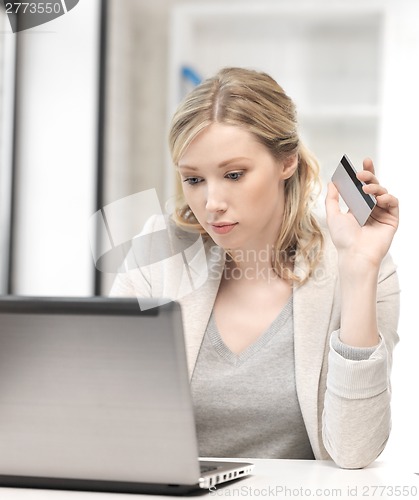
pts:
[254, 101]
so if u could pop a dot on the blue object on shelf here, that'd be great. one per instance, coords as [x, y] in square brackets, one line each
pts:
[191, 75]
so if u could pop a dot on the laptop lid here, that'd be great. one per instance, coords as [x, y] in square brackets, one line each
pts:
[94, 389]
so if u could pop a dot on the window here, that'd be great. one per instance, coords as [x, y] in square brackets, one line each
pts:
[7, 72]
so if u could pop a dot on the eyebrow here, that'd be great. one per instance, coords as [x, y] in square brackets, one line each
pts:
[221, 165]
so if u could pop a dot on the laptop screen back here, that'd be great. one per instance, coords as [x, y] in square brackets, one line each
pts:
[95, 389]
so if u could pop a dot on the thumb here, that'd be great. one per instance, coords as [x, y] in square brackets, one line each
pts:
[332, 200]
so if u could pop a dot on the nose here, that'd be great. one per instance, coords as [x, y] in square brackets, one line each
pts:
[215, 199]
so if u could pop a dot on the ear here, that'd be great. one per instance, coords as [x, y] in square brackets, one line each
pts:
[289, 166]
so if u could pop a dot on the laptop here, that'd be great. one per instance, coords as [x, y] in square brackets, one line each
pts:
[95, 395]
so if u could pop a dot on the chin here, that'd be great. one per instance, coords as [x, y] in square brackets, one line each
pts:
[227, 244]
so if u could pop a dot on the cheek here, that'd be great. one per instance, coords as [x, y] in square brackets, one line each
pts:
[192, 198]
[265, 192]
[186, 192]
[264, 200]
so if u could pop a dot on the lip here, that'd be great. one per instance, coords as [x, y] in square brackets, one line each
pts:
[223, 227]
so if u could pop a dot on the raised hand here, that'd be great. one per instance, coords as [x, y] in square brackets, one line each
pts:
[371, 242]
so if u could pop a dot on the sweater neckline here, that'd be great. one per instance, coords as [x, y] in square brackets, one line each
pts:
[237, 359]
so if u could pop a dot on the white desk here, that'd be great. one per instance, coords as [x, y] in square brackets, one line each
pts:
[279, 479]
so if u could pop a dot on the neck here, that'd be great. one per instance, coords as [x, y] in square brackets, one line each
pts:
[251, 264]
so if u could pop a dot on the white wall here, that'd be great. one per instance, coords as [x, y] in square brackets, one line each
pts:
[399, 168]
[56, 161]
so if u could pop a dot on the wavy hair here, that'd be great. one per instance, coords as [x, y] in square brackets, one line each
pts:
[254, 101]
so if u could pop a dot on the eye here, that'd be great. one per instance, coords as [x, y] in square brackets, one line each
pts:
[193, 180]
[234, 176]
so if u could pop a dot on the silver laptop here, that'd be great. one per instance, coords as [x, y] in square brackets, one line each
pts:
[95, 395]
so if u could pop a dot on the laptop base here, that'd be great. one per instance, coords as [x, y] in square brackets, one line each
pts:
[51, 483]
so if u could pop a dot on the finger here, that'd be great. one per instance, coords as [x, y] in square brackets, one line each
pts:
[387, 201]
[367, 176]
[374, 189]
[368, 165]
[387, 210]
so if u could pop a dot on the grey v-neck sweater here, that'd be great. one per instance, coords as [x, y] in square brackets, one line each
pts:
[246, 404]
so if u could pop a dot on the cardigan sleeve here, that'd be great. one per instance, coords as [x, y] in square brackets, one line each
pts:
[356, 419]
[350, 352]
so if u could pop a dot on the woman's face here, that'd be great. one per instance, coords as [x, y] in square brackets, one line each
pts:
[234, 187]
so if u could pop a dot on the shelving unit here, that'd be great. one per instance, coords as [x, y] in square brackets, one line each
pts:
[327, 58]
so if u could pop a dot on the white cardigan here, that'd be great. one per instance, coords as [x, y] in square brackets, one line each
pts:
[345, 404]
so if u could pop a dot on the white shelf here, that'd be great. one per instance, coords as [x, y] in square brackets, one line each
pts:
[344, 112]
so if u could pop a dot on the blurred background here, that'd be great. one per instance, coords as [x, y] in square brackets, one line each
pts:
[85, 102]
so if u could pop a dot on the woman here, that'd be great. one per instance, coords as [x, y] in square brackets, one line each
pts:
[290, 336]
